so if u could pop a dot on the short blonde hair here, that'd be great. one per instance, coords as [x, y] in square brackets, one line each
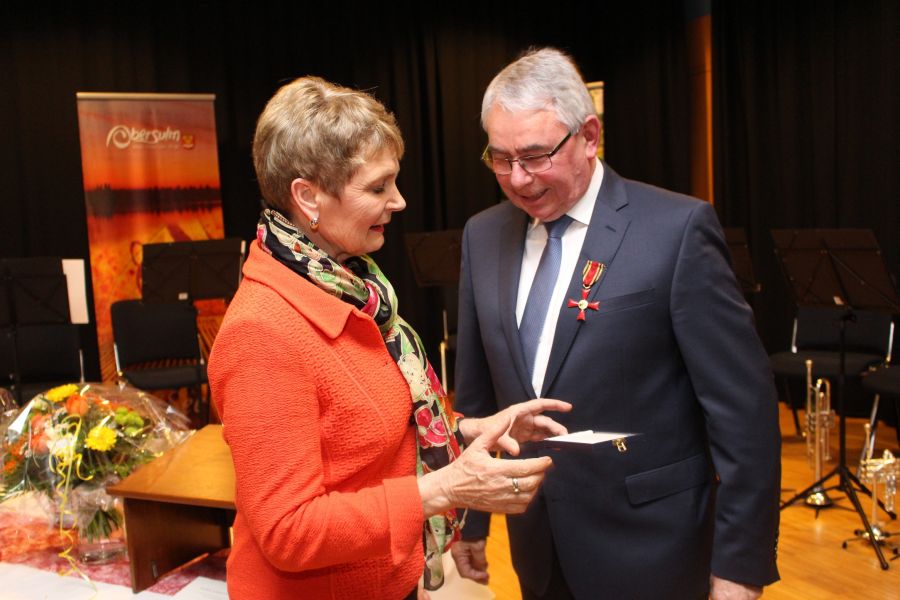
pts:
[321, 132]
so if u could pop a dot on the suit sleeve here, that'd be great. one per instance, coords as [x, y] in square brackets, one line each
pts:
[733, 381]
[473, 388]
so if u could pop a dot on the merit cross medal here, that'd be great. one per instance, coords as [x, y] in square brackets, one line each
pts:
[591, 274]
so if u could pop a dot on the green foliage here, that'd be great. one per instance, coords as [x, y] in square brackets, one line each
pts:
[101, 526]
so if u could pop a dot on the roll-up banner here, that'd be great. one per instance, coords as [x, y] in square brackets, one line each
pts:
[596, 90]
[151, 175]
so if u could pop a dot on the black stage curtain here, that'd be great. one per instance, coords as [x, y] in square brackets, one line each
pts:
[806, 128]
[429, 64]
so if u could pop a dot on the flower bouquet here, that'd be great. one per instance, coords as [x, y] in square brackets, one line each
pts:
[70, 442]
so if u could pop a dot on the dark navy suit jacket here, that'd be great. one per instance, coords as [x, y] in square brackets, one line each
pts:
[672, 355]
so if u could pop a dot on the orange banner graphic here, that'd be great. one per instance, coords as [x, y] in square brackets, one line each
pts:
[151, 174]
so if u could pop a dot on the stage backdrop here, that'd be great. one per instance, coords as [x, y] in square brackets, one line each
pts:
[151, 175]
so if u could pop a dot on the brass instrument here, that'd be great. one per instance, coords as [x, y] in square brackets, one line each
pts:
[874, 471]
[819, 421]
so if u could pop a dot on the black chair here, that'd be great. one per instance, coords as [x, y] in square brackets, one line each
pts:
[816, 337]
[884, 382]
[35, 358]
[157, 347]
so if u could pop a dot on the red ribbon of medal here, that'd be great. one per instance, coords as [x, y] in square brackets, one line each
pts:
[591, 274]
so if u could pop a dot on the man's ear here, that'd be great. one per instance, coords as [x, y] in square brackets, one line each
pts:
[590, 129]
[305, 198]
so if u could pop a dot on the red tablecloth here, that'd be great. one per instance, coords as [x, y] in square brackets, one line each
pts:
[27, 538]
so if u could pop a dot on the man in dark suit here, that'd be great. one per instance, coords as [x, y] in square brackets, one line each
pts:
[646, 332]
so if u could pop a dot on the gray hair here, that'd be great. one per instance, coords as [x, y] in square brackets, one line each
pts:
[321, 132]
[542, 78]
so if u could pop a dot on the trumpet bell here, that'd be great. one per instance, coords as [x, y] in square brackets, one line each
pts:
[819, 498]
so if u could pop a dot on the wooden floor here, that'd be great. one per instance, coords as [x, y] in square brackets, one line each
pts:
[811, 561]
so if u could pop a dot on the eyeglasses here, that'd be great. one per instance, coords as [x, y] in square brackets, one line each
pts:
[534, 163]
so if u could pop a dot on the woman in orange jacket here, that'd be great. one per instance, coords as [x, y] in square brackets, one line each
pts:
[352, 473]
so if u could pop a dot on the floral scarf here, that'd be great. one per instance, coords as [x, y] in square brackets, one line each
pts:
[361, 283]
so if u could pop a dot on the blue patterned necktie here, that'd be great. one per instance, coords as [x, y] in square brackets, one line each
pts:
[541, 289]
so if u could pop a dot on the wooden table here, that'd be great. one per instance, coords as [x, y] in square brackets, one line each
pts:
[178, 507]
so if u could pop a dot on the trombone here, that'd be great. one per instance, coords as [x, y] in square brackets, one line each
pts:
[819, 421]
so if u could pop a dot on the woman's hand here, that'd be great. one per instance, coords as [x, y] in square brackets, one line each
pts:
[479, 481]
[723, 589]
[528, 424]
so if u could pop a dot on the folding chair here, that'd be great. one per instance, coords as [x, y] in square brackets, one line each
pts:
[157, 347]
[884, 382]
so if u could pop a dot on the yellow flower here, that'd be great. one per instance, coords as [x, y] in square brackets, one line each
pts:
[62, 392]
[100, 438]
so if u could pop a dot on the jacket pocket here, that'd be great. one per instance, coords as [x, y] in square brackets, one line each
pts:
[669, 479]
[626, 301]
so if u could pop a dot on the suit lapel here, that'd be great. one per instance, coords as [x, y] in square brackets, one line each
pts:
[604, 236]
[512, 248]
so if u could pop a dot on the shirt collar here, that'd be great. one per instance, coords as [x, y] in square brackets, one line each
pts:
[582, 210]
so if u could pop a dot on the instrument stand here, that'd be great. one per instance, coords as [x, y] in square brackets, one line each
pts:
[879, 537]
[435, 257]
[189, 271]
[847, 481]
[818, 425]
[838, 268]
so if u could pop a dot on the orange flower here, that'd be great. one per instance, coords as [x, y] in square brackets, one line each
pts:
[38, 439]
[38, 443]
[38, 422]
[10, 466]
[16, 449]
[76, 404]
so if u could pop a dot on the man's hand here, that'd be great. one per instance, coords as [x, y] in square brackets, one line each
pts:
[421, 592]
[722, 589]
[470, 559]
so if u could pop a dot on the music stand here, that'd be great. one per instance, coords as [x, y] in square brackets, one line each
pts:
[843, 268]
[191, 271]
[33, 291]
[435, 257]
[741, 264]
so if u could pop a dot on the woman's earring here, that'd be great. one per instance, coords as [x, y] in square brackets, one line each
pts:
[314, 224]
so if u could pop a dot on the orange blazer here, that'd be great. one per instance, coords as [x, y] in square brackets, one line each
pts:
[317, 416]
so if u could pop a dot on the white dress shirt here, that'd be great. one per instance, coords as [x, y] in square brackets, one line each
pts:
[572, 240]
